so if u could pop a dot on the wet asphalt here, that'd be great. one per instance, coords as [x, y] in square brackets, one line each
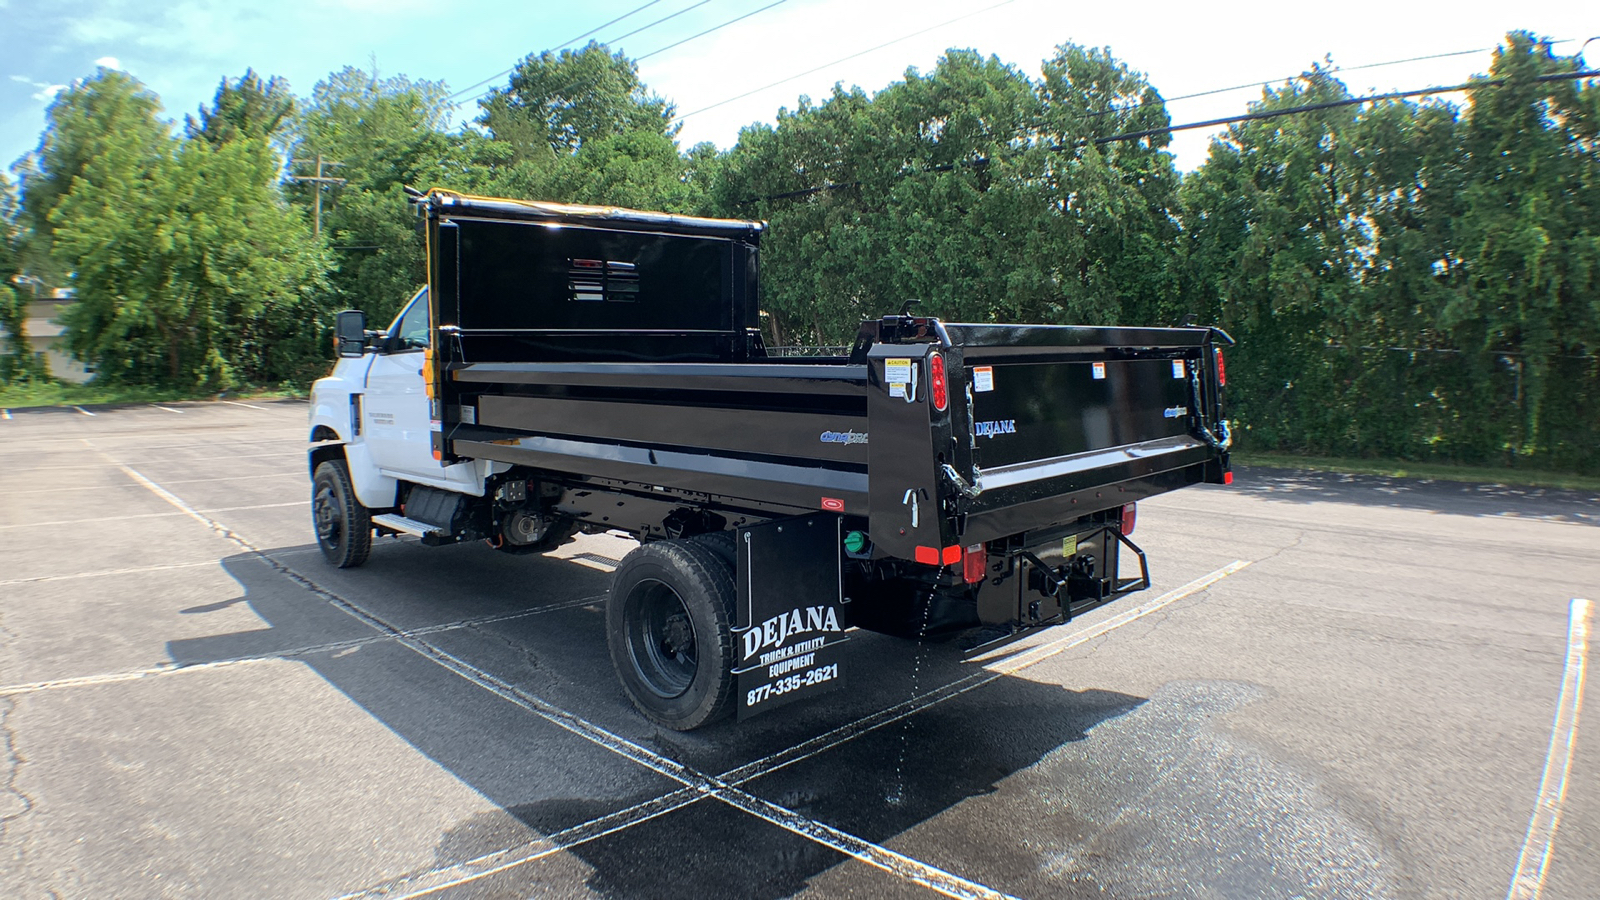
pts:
[1339, 686]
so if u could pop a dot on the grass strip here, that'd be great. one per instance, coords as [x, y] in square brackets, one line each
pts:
[1391, 468]
[55, 393]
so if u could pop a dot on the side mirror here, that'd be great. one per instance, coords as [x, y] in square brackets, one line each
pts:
[350, 332]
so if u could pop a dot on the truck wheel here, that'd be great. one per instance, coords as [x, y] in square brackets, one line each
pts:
[721, 543]
[344, 526]
[669, 624]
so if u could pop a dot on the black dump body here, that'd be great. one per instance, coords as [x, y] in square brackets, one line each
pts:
[620, 352]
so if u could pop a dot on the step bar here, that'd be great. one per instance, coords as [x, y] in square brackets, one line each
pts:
[403, 525]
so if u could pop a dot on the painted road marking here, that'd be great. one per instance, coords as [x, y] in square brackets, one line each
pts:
[329, 647]
[250, 405]
[105, 572]
[166, 515]
[883, 858]
[180, 481]
[1528, 880]
[509, 858]
[170, 409]
[84, 411]
[847, 732]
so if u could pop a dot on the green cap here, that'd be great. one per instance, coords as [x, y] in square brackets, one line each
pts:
[855, 542]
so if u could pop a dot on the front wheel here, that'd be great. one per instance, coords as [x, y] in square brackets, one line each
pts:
[344, 526]
[669, 625]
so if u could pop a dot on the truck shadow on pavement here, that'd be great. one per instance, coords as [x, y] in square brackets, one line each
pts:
[549, 643]
[1450, 497]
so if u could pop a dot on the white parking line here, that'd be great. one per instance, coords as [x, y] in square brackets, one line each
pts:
[288, 653]
[250, 405]
[509, 858]
[104, 572]
[1528, 880]
[165, 515]
[865, 851]
[169, 409]
[82, 410]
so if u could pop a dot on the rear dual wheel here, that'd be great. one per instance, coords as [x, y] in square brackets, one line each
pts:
[669, 625]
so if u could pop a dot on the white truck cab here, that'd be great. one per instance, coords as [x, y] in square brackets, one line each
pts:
[371, 426]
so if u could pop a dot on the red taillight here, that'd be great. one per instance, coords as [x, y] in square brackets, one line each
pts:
[1130, 517]
[1227, 478]
[937, 385]
[972, 563]
[1222, 370]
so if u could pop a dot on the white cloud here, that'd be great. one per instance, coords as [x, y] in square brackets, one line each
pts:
[110, 62]
[46, 91]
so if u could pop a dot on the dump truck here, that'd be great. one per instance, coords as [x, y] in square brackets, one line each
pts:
[576, 369]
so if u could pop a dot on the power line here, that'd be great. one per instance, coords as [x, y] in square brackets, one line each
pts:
[1332, 104]
[580, 37]
[708, 31]
[654, 52]
[484, 93]
[897, 40]
[1264, 83]
[622, 37]
[1210, 123]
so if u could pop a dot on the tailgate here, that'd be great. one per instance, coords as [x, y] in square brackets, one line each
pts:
[1067, 421]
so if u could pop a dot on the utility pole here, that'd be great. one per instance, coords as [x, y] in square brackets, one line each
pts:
[317, 181]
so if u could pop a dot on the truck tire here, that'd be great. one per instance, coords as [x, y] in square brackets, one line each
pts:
[669, 624]
[721, 543]
[344, 526]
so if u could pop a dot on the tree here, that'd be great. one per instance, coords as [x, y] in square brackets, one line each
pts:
[1276, 241]
[1113, 226]
[246, 107]
[189, 269]
[1525, 298]
[972, 188]
[381, 134]
[555, 103]
[1412, 280]
[84, 122]
[579, 126]
[17, 360]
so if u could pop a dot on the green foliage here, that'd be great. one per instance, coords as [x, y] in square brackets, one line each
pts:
[971, 188]
[1412, 280]
[246, 107]
[555, 103]
[108, 113]
[188, 269]
[1408, 280]
[379, 134]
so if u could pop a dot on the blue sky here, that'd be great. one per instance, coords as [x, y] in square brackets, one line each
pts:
[181, 49]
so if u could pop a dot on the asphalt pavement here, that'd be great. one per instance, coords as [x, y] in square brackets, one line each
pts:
[1338, 686]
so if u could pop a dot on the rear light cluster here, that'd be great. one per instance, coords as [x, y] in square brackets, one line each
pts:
[1130, 517]
[938, 385]
[1222, 370]
[973, 561]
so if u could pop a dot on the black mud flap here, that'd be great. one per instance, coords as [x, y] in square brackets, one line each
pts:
[789, 631]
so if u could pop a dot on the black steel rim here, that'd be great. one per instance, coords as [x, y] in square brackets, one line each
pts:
[329, 516]
[661, 638]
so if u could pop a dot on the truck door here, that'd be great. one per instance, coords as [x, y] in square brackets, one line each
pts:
[396, 401]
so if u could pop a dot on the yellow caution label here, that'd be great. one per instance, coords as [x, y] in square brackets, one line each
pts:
[1069, 546]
